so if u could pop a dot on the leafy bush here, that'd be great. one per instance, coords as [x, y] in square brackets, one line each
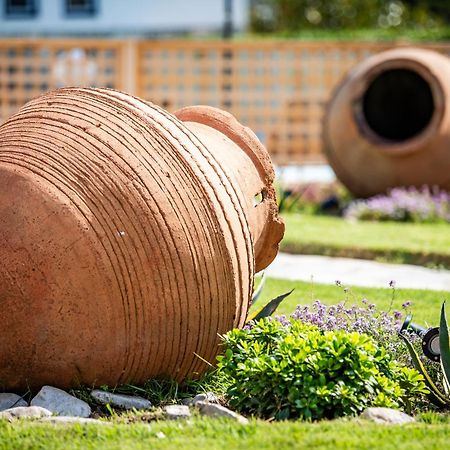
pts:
[403, 204]
[300, 371]
[382, 326]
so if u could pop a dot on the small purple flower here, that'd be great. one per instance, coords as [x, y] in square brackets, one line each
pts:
[407, 304]
[392, 283]
[283, 320]
[363, 318]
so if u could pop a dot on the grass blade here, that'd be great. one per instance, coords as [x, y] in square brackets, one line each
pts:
[435, 395]
[444, 346]
[270, 308]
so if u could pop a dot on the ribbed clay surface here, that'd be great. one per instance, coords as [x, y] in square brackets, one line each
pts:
[127, 244]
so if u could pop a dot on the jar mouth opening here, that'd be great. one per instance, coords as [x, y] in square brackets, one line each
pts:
[399, 106]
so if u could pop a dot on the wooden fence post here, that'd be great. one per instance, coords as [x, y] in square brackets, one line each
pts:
[130, 66]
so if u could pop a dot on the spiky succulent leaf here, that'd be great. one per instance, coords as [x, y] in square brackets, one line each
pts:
[435, 394]
[444, 346]
[270, 308]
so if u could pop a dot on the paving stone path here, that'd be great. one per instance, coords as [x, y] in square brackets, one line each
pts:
[357, 272]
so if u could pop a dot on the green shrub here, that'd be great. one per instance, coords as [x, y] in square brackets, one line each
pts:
[302, 372]
[298, 15]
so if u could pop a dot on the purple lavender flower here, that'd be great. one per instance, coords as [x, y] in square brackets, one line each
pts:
[403, 204]
[365, 318]
[283, 320]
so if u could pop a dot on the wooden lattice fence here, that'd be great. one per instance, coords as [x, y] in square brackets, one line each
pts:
[277, 88]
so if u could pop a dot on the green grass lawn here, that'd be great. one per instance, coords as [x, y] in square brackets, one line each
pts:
[425, 304]
[423, 244]
[220, 434]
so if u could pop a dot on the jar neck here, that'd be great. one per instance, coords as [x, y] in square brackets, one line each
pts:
[248, 164]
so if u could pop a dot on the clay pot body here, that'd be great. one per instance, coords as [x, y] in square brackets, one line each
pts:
[388, 123]
[129, 238]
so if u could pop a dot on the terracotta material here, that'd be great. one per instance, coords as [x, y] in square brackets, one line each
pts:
[129, 237]
[388, 122]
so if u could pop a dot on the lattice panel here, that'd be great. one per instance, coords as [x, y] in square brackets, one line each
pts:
[277, 88]
[30, 68]
[173, 75]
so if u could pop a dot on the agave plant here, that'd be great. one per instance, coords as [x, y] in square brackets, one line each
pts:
[268, 309]
[438, 397]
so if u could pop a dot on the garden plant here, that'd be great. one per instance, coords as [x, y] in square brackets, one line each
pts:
[281, 371]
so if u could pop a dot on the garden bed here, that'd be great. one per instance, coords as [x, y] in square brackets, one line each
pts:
[145, 429]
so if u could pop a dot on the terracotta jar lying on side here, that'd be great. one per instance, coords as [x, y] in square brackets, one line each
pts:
[129, 237]
[388, 122]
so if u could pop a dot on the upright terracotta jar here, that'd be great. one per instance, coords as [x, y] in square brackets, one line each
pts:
[129, 237]
[388, 122]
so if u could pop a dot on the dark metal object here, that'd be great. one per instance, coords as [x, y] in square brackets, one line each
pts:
[430, 338]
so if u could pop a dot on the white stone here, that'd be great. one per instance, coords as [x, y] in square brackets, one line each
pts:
[11, 401]
[386, 415]
[120, 400]
[213, 410]
[209, 397]
[25, 412]
[61, 403]
[69, 420]
[174, 412]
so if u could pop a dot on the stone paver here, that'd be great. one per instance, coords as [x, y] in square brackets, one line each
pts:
[357, 272]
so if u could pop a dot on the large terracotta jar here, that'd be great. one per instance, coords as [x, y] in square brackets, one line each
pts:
[388, 122]
[129, 237]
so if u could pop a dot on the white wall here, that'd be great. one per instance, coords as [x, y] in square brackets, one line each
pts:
[126, 17]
